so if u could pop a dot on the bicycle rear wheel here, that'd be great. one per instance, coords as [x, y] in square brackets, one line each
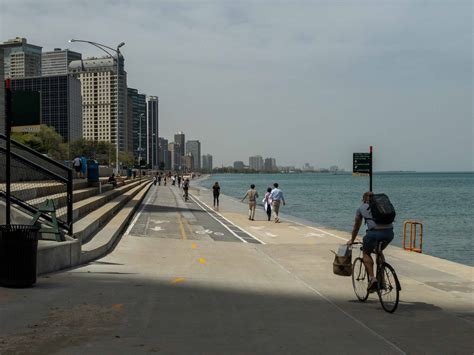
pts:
[360, 280]
[388, 288]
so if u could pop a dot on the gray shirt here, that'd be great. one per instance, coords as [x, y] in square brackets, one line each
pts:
[364, 211]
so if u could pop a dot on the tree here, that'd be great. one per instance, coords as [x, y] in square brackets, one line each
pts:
[45, 141]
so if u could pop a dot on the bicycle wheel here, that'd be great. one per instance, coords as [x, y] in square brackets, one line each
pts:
[360, 279]
[388, 288]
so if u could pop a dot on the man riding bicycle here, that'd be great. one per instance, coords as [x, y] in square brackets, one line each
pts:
[375, 233]
[186, 188]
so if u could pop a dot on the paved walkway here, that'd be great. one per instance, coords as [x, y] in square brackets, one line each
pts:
[185, 281]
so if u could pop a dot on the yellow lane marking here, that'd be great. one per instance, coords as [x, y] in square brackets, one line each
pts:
[181, 227]
[202, 260]
[178, 280]
[194, 246]
[118, 307]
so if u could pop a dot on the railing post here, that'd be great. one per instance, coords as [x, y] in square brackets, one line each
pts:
[8, 122]
[69, 201]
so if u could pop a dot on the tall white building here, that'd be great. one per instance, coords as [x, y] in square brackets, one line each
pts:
[98, 78]
[256, 162]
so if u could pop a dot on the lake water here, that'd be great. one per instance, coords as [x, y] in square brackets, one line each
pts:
[443, 202]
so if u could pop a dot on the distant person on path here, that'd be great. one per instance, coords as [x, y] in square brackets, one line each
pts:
[252, 195]
[159, 180]
[267, 203]
[165, 180]
[77, 165]
[216, 190]
[173, 180]
[83, 166]
[375, 233]
[186, 189]
[112, 180]
[179, 180]
[277, 198]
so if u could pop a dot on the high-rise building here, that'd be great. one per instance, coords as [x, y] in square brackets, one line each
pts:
[194, 148]
[21, 59]
[100, 98]
[153, 132]
[61, 105]
[137, 109]
[179, 138]
[207, 163]
[57, 62]
[175, 156]
[163, 160]
[239, 165]
[270, 164]
[187, 162]
[256, 162]
[2, 94]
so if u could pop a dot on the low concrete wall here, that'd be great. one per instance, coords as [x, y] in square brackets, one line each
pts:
[53, 256]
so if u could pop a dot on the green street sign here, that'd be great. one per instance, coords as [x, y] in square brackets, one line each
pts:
[362, 163]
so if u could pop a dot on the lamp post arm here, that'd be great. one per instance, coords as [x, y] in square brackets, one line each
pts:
[98, 45]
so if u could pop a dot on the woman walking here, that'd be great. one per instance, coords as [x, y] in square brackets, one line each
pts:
[267, 203]
[216, 190]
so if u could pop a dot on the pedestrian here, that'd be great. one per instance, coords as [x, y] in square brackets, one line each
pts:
[83, 166]
[267, 203]
[179, 180]
[159, 179]
[165, 180]
[173, 180]
[277, 198]
[252, 195]
[216, 190]
[77, 165]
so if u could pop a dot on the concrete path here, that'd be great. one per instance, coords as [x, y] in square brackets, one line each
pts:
[185, 281]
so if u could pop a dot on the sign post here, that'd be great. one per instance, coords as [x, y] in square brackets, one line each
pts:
[8, 124]
[362, 164]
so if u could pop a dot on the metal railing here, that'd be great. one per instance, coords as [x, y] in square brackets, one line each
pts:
[36, 178]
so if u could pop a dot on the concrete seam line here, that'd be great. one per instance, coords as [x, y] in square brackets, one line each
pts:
[220, 215]
[362, 324]
[127, 232]
[231, 231]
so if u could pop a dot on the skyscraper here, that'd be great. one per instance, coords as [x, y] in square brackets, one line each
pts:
[256, 162]
[153, 131]
[57, 61]
[194, 148]
[61, 105]
[180, 139]
[137, 109]
[98, 78]
[175, 157]
[163, 161]
[270, 164]
[207, 163]
[21, 59]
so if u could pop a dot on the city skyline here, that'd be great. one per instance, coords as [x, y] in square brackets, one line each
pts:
[327, 79]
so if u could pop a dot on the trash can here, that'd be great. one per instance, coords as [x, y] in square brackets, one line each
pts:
[92, 171]
[18, 248]
[129, 172]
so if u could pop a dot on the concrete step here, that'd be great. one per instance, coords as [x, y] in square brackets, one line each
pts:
[88, 225]
[108, 237]
[84, 207]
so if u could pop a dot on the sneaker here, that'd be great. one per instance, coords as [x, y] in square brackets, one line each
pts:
[372, 287]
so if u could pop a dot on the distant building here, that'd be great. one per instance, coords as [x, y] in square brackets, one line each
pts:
[179, 138]
[57, 61]
[270, 164]
[194, 148]
[61, 105]
[137, 108]
[163, 162]
[101, 121]
[153, 132]
[256, 162]
[187, 162]
[21, 59]
[308, 167]
[175, 156]
[207, 163]
[239, 165]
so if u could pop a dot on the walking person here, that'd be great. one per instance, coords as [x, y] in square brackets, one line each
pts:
[77, 165]
[277, 198]
[159, 179]
[216, 190]
[179, 180]
[83, 166]
[267, 203]
[252, 195]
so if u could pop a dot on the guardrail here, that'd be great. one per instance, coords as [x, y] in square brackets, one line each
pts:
[416, 236]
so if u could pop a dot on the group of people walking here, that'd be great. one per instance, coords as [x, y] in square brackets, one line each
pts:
[271, 202]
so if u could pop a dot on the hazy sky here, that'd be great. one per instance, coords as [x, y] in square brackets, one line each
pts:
[301, 81]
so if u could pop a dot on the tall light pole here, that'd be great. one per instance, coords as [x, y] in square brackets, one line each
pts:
[140, 144]
[117, 52]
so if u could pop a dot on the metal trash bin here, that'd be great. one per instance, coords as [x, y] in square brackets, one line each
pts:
[92, 171]
[18, 249]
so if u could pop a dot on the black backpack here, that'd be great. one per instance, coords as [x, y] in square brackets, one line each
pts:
[382, 209]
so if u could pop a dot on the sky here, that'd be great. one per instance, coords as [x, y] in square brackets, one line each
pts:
[300, 81]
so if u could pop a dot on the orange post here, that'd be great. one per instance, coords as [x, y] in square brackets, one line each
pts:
[412, 246]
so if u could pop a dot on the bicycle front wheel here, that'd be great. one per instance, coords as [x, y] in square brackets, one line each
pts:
[388, 288]
[360, 279]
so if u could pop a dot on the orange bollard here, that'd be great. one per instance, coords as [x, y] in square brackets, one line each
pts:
[413, 236]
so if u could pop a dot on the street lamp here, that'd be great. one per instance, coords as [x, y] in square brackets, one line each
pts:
[140, 144]
[117, 52]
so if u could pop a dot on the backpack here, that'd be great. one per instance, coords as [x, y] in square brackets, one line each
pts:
[382, 209]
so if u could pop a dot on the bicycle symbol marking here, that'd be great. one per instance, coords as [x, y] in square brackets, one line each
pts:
[209, 232]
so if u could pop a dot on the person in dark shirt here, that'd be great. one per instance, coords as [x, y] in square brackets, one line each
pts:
[216, 190]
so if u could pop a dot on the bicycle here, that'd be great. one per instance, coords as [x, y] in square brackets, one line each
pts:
[388, 286]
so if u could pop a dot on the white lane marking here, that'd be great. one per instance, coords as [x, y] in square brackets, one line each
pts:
[127, 232]
[293, 227]
[254, 237]
[362, 324]
[232, 232]
[218, 233]
[320, 230]
[157, 229]
[158, 221]
[311, 234]
[270, 234]
[257, 227]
